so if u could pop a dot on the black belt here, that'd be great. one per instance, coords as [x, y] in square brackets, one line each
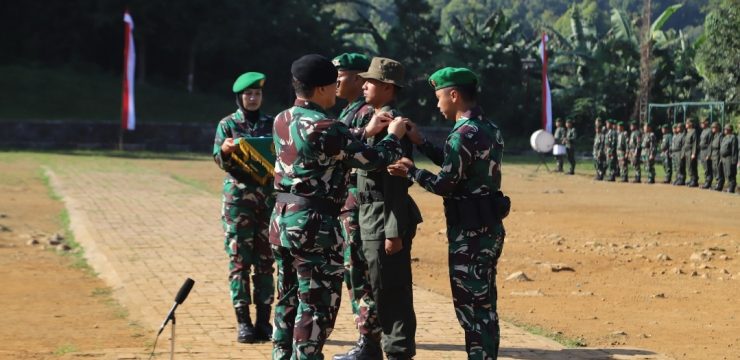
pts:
[321, 205]
[367, 197]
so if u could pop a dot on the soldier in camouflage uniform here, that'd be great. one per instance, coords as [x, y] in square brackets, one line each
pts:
[349, 87]
[714, 156]
[679, 161]
[665, 152]
[314, 155]
[622, 154]
[469, 181]
[691, 153]
[610, 144]
[634, 147]
[728, 152]
[649, 151]
[599, 151]
[705, 141]
[246, 212]
[559, 136]
[570, 145]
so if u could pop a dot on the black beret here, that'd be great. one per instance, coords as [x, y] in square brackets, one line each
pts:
[314, 70]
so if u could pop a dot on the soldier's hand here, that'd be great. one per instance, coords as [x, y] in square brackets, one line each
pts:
[397, 127]
[412, 131]
[398, 170]
[378, 122]
[393, 245]
[228, 146]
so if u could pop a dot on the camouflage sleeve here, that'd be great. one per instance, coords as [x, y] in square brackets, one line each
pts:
[222, 132]
[457, 158]
[358, 132]
[339, 143]
[435, 154]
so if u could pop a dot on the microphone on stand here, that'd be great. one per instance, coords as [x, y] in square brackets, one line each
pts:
[179, 298]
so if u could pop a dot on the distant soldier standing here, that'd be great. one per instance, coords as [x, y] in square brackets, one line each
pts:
[649, 152]
[635, 150]
[691, 153]
[679, 161]
[246, 212]
[559, 136]
[314, 155]
[665, 153]
[622, 154]
[705, 141]
[570, 145]
[599, 151]
[715, 157]
[469, 181]
[729, 155]
[610, 144]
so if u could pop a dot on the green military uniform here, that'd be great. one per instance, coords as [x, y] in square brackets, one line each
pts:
[715, 158]
[622, 155]
[611, 150]
[570, 146]
[314, 154]
[559, 136]
[356, 268]
[599, 151]
[387, 211]
[728, 151]
[705, 141]
[665, 153]
[691, 154]
[679, 161]
[649, 148]
[245, 214]
[634, 148]
[469, 178]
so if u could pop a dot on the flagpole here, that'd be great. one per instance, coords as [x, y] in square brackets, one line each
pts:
[124, 83]
[128, 114]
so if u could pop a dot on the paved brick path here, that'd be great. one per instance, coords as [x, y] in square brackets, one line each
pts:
[144, 233]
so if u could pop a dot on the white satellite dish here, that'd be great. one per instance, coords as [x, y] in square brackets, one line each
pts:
[541, 141]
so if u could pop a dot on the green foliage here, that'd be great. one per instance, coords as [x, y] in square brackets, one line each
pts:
[719, 54]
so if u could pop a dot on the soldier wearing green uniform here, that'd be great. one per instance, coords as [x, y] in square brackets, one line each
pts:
[570, 145]
[728, 152]
[622, 154]
[691, 153]
[610, 144]
[715, 157]
[246, 211]
[705, 141]
[679, 161]
[634, 147]
[559, 136]
[649, 151]
[599, 151]
[665, 152]
[349, 87]
[469, 181]
[314, 154]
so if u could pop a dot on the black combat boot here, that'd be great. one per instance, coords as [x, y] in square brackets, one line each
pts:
[706, 185]
[353, 351]
[397, 357]
[262, 326]
[366, 349]
[244, 327]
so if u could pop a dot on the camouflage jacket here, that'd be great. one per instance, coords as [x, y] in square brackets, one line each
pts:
[665, 144]
[690, 143]
[239, 188]
[622, 140]
[471, 165]
[599, 145]
[314, 155]
[705, 139]
[635, 144]
[559, 136]
[649, 146]
[610, 143]
[353, 114]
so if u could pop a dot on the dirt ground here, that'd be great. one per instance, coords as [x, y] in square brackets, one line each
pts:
[650, 266]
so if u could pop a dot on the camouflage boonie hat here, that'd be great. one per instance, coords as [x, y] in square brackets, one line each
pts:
[715, 124]
[385, 70]
[728, 127]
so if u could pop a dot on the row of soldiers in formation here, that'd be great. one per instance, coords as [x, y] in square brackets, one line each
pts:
[321, 222]
[615, 150]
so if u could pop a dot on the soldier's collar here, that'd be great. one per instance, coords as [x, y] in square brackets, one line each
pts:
[308, 105]
[473, 113]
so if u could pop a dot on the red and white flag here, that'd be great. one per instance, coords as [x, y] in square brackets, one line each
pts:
[128, 114]
[546, 98]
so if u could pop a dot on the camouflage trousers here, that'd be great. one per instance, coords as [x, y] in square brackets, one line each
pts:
[309, 292]
[356, 270]
[600, 166]
[612, 166]
[668, 167]
[248, 247]
[623, 162]
[473, 256]
[649, 168]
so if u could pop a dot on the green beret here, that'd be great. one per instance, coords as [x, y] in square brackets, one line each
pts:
[569, 121]
[248, 80]
[634, 122]
[612, 121]
[666, 126]
[351, 61]
[449, 76]
[620, 123]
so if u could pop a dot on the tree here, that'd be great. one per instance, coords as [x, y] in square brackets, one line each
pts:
[719, 55]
